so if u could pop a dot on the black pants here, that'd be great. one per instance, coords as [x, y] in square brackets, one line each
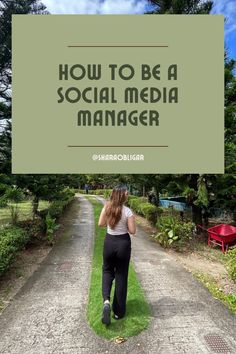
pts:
[116, 257]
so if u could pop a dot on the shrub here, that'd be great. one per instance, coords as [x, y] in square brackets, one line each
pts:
[3, 201]
[135, 203]
[58, 204]
[35, 229]
[172, 232]
[231, 261]
[103, 192]
[51, 226]
[12, 240]
[141, 206]
[15, 195]
[149, 211]
[14, 210]
[81, 191]
[107, 193]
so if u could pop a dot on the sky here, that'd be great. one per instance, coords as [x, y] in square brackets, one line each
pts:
[228, 9]
[224, 7]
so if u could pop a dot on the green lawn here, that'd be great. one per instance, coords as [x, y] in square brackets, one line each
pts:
[138, 312]
[25, 211]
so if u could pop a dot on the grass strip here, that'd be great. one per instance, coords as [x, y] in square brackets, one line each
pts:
[138, 311]
[209, 282]
[25, 210]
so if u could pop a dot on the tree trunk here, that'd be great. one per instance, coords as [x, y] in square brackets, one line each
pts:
[196, 214]
[35, 205]
[143, 191]
[157, 196]
[234, 216]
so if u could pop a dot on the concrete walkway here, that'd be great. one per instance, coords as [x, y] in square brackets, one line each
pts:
[48, 315]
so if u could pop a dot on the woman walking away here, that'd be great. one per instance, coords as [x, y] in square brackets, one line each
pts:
[120, 223]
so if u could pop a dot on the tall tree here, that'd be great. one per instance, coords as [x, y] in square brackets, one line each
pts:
[230, 116]
[223, 187]
[181, 7]
[192, 184]
[7, 9]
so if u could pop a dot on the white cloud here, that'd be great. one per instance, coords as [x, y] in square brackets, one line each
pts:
[96, 6]
[228, 9]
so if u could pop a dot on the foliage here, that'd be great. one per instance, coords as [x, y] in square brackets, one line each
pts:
[14, 209]
[142, 207]
[3, 201]
[14, 194]
[34, 229]
[7, 8]
[103, 192]
[202, 194]
[181, 6]
[12, 239]
[231, 262]
[51, 227]
[190, 194]
[228, 299]
[149, 211]
[135, 203]
[172, 231]
[10, 194]
[58, 205]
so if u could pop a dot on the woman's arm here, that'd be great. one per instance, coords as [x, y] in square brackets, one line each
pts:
[131, 225]
[102, 219]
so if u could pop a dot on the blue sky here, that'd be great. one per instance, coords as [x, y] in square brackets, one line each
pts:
[224, 7]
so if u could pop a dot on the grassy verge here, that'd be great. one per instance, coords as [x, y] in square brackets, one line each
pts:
[138, 312]
[25, 210]
[228, 299]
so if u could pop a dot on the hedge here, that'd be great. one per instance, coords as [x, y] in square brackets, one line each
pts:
[12, 240]
[58, 205]
[103, 192]
[141, 206]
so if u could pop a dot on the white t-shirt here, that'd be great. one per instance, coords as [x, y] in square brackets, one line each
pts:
[122, 226]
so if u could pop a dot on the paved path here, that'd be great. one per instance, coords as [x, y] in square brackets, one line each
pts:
[48, 315]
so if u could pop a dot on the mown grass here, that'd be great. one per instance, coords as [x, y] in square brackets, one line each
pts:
[138, 311]
[209, 282]
[25, 210]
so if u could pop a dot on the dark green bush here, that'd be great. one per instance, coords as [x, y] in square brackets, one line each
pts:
[12, 240]
[34, 228]
[58, 205]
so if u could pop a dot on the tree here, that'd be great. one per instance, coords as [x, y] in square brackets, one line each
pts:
[7, 8]
[230, 116]
[5, 148]
[45, 187]
[181, 7]
[39, 186]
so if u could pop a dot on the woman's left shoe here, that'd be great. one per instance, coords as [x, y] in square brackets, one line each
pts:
[106, 314]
